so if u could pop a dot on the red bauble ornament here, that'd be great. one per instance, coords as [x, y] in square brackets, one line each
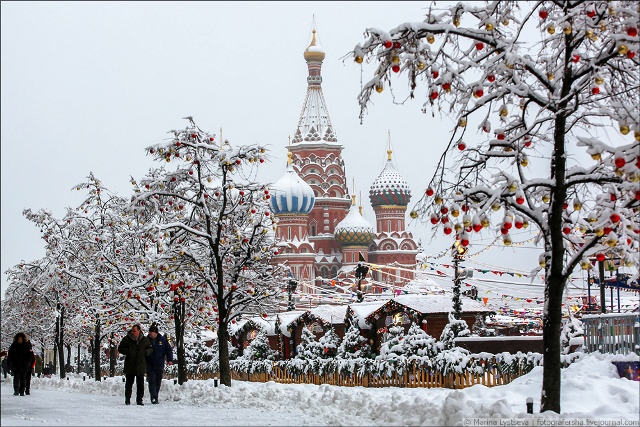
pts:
[491, 78]
[477, 227]
[190, 172]
[575, 58]
[507, 225]
[211, 139]
[543, 13]
[600, 257]
[396, 45]
[613, 197]
[479, 46]
[518, 224]
[446, 86]
[462, 146]
[503, 230]
[261, 160]
[595, 90]
[620, 162]
[178, 143]
[607, 230]
[447, 230]
[500, 136]
[591, 13]
[266, 213]
[637, 194]
[434, 95]
[519, 200]
[435, 74]
[479, 93]
[464, 242]
[387, 44]
[632, 32]
[151, 151]
[565, 205]
[445, 219]
[614, 217]
[631, 54]
[395, 68]
[429, 192]
[434, 219]
[566, 229]
[444, 210]
[193, 135]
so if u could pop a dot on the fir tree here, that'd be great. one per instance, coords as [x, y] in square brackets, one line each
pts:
[309, 348]
[259, 349]
[454, 329]
[572, 328]
[353, 345]
[417, 343]
[392, 348]
[329, 343]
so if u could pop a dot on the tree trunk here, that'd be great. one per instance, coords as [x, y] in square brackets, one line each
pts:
[60, 340]
[79, 359]
[223, 354]
[555, 280]
[68, 356]
[178, 322]
[112, 356]
[96, 352]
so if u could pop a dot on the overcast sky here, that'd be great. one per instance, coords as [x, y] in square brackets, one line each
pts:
[86, 86]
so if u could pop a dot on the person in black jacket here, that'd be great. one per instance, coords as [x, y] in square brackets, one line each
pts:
[155, 362]
[20, 360]
[136, 347]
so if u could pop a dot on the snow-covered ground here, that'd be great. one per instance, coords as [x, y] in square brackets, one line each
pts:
[591, 390]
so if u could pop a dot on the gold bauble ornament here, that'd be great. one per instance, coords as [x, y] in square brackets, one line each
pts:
[596, 156]
[524, 162]
[438, 200]
[624, 129]
[457, 226]
[542, 263]
[551, 29]
[413, 214]
[455, 213]
[585, 265]
[505, 21]
[623, 49]
[512, 187]
[525, 223]
[466, 221]
[589, 34]
[577, 205]
[612, 242]
[550, 76]
[359, 59]
[420, 65]
[485, 222]
[546, 198]
[599, 80]
[495, 207]
[395, 59]
[379, 88]
[462, 122]
[489, 26]
[456, 21]
[506, 241]
[567, 30]
[504, 112]
[599, 232]
[431, 39]
[636, 134]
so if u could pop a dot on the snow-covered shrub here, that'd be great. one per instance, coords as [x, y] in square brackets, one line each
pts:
[353, 345]
[419, 346]
[571, 329]
[329, 343]
[309, 348]
[454, 329]
[257, 357]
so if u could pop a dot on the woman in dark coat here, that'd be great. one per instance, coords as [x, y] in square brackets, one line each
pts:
[135, 347]
[20, 360]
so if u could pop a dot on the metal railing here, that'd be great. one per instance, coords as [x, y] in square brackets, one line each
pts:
[612, 333]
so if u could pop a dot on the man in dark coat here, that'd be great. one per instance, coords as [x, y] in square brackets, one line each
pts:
[155, 362]
[20, 360]
[135, 347]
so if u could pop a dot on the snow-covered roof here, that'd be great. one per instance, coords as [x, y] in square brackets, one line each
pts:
[423, 285]
[268, 325]
[363, 309]
[287, 318]
[333, 314]
[436, 303]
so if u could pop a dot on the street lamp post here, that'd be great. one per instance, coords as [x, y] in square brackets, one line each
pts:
[457, 251]
[291, 288]
[361, 273]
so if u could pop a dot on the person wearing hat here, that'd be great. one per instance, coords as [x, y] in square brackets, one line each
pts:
[136, 348]
[155, 362]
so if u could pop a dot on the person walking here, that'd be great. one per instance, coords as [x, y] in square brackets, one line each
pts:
[20, 360]
[135, 347]
[5, 365]
[155, 363]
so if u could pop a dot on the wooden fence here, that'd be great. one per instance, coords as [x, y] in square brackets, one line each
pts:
[414, 376]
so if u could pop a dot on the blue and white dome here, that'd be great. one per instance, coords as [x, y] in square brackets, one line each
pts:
[291, 195]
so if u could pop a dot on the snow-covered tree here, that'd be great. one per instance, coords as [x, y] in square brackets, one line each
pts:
[571, 329]
[452, 330]
[393, 346]
[353, 345]
[309, 348]
[480, 327]
[259, 348]
[547, 84]
[329, 343]
[417, 344]
[208, 213]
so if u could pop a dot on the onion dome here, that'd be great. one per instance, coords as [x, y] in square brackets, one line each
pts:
[291, 195]
[354, 230]
[389, 188]
[313, 52]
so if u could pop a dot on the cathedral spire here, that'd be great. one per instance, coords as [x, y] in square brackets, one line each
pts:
[314, 124]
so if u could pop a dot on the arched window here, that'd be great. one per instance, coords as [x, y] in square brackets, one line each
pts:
[324, 272]
[334, 271]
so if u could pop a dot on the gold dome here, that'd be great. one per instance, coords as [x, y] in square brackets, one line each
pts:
[313, 52]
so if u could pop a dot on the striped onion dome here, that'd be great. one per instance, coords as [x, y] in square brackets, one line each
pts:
[390, 188]
[354, 230]
[291, 195]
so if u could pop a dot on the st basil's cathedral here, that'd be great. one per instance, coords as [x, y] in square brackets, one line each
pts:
[321, 232]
